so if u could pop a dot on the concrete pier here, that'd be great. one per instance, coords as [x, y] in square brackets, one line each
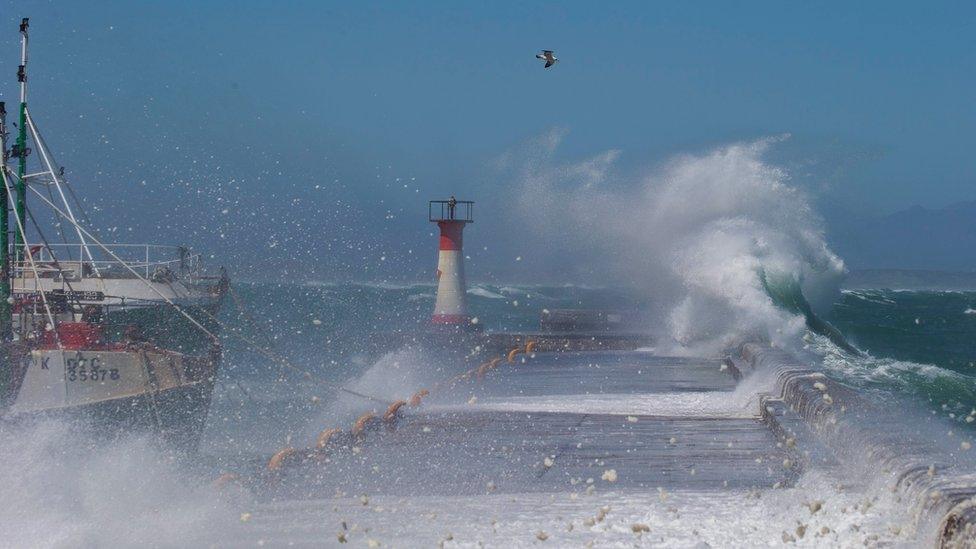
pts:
[623, 448]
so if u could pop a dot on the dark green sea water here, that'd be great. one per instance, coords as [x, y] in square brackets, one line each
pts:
[920, 345]
[927, 327]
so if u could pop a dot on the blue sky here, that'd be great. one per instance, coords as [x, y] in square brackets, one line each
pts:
[266, 100]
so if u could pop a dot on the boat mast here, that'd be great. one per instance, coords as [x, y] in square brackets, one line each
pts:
[5, 270]
[6, 320]
[20, 149]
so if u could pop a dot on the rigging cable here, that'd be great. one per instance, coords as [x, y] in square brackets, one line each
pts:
[42, 147]
[30, 259]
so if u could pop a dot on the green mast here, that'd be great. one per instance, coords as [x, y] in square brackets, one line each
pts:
[20, 148]
[5, 271]
[18, 151]
[6, 334]
[4, 222]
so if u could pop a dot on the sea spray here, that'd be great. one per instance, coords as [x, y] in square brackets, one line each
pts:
[394, 376]
[63, 489]
[694, 234]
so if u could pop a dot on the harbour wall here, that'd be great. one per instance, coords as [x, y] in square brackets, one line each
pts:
[941, 494]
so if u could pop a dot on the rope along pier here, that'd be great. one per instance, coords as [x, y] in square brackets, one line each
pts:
[334, 439]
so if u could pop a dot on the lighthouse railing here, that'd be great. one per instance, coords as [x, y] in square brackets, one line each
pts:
[447, 210]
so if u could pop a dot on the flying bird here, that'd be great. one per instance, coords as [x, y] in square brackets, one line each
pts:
[548, 56]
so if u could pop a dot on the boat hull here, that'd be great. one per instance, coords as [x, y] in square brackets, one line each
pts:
[113, 392]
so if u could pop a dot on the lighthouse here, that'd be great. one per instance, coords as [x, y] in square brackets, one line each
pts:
[451, 216]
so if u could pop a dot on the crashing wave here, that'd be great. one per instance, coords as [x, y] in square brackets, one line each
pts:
[786, 293]
[693, 235]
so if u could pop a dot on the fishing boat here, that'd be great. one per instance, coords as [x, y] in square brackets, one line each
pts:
[121, 334]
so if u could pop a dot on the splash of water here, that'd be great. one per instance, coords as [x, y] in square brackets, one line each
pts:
[694, 233]
[61, 489]
[394, 376]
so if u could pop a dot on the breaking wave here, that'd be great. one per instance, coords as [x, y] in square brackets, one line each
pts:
[786, 293]
[726, 250]
[721, 242]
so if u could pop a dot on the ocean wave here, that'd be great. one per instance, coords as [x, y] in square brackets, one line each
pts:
[120, 493]
[937, 292]
[872, 296]
[786, 293]
[895, 377]
[530, 292]
[381, 285]
[518, 290]
[481, 291]
[969, 311]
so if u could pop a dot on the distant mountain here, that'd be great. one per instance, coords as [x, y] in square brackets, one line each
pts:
[917, 238]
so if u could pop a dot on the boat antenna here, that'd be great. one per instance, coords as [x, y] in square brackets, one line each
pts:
[20, 150]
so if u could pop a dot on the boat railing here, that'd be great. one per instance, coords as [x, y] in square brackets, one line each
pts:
[75, 262]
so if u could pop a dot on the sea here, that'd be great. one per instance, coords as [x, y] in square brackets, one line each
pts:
[916, 348]
[912, 349]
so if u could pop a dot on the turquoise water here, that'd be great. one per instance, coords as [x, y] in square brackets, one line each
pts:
[920, 326]
[919, 344]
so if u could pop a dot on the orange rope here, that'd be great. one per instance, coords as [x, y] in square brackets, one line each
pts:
[279, 458]
[390, 416]
[363, 423]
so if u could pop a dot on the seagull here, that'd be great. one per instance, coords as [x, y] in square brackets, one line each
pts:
[548, 56]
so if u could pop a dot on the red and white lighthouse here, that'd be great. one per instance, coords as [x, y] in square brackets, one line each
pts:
[451, 216]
